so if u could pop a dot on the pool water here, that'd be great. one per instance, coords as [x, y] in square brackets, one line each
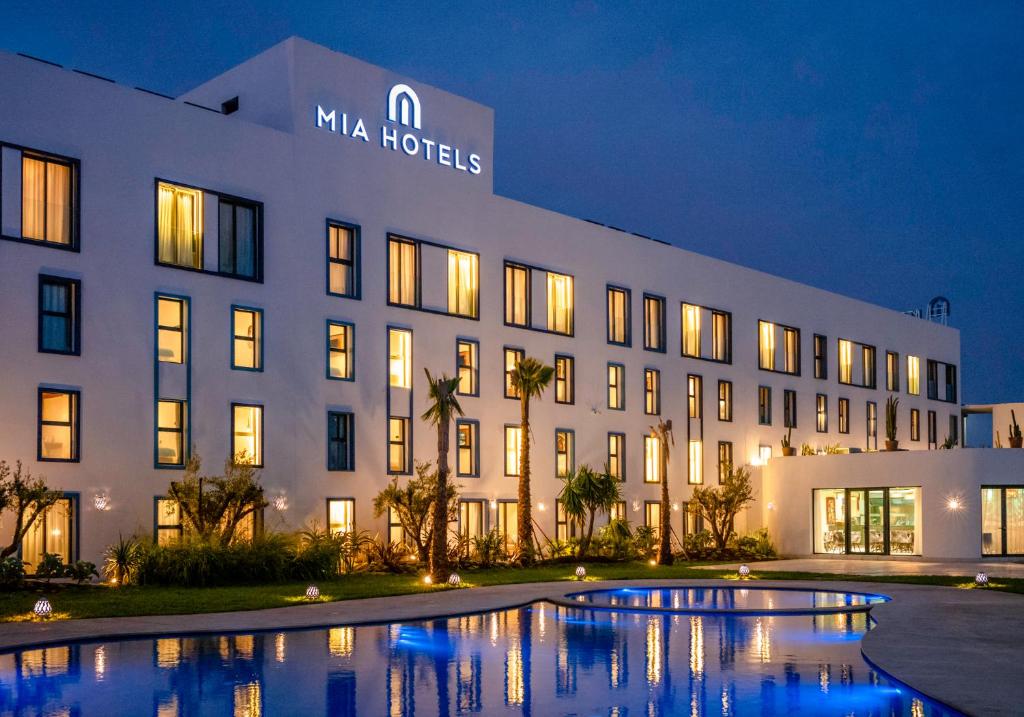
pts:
[690, 599]
[538, 660]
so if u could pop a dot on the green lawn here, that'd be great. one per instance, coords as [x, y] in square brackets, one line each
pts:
[71, 601]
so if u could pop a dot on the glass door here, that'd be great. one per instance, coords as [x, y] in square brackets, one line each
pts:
[1014, 521]
[857, 500]
[876, 522]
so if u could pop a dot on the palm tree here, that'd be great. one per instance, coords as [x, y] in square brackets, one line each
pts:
[663, 434]
[585, 494]
[529, 379]
[443, 405]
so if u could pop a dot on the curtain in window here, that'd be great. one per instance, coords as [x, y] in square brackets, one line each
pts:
[58, 203]
[55, 317]
[691, 330]
[767, 345]
[462, 283]
[845, 361]
[560, 303]
[33, 199]
[515, 295]
[180, 226]
[402, 273]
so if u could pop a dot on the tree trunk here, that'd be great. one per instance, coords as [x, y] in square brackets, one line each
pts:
[525, 518]
[585, 548]
[439, 545]
[665, 522]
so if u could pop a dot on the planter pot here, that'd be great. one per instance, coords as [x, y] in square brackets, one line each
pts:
[1016, 441]
[791, 451]
[892, 445]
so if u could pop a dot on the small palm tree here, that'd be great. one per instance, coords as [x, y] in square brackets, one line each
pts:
[663, 434]
[586, 493]
[443, 405]
[529, 379]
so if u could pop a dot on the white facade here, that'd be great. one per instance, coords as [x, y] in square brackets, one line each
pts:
[278, 149]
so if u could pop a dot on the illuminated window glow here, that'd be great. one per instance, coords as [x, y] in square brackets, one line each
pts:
[180, 226]
[400, 358]
[247, 434]
[463, 283]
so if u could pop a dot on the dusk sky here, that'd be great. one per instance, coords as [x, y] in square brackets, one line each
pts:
[873, 149]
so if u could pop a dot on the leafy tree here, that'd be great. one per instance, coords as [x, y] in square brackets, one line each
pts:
[719, 505]
[585, 493]
[212, 507]
[529, 379]
[663, 434]
[413, 505]
[443, 406]
[25, 496]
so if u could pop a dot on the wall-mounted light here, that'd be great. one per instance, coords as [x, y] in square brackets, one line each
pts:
[954, 504]
[770, 506]
[101, 501]
[675, 506]
[280, 502]
[636, 506]
[541, 506]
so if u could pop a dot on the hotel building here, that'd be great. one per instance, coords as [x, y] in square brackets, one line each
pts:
[268, 264]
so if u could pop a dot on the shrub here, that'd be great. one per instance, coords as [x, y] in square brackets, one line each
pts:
[389, 556]
[700, 546]
[756, 545]
[121, 560]
[50, 566]
[12, 572]
[645, 540]
[80, 571]
[489, 547]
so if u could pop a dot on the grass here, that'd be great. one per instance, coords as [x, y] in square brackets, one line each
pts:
[87, 601]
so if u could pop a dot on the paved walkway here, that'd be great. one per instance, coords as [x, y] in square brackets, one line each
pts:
[962, 647]
[852, 565]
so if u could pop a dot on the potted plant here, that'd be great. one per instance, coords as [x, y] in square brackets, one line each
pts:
[788, 449]
[1016, 439]
[891, 416]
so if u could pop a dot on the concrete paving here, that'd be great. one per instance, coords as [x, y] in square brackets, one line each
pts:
[961, 647]
[854, 565]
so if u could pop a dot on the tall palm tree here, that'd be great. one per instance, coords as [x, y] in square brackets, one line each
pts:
[663, 434]
[443, 405]
[529, 379]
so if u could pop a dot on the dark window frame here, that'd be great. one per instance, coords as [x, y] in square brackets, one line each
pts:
[474, 367]
[821, 357]
[231, 434]
[507, 390]
[474, 447]
[726, 401]
[355, 263]
[627, 317]
[652, 395]
[821, 413]
[257, 339]
[789, 408]
[75, 195]
[620, 372]
[73, 315]
[74, 423]
[660, 329]
[350, 349]
[570, 381]
[620, 439]
[347, 420]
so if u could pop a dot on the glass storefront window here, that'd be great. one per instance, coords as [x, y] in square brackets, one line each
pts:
[1002, 520]
[830, 520]
[904, 521]
[879, 521]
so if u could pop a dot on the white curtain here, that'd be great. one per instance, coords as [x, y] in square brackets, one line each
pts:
[180, 226]
[58, 203]
[33, 199]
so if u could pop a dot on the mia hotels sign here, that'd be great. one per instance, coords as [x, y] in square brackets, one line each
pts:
[403, 111]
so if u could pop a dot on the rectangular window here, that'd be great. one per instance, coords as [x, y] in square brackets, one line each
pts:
[616, 386]
[821, 410]
[915, 424]
[463, 283]
[652, 516]
[468, 448]
[342, 260]
[247, 434]
[872, 425]
[53, 531]
[721, 336]
[724, 459]
[619, 316]
[565, 528]
[403, 272]
[652, 391]
[913, 375]
[789, 409]
[652, 459]
[764, 405]
[467, 354]
[857, 364]
[766, 345]
[59, 415]
[400, 358]
[695, 396]
[512, 359]
[725, 400]
[341, 515]
[396, 531]
[565, 379]
[617, 511]
[247, 338]
[48, 198]
[933, 431]
[616, 465]
[59, 315]
[398, 445]
[791, 343]
[171, 329]
[560, 303]
[340, 350]
[844, 415]
[875, 521]
[513, 444]
[696, 463]
[654, 323]
[820, 356]
[168, 521]
[340, 441]
[471, 520]
[691, 330]
[565, 461]
[508, 523]
[238, 245]
[170, 432]
[892, 371]
[179, 226]
[1002, 520]
[768, 335]
[517, 295]
[941, 381]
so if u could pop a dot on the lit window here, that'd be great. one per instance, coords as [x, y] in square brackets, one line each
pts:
[854, 356]
[654, 323]
[724, 459]
[696, 472]
[691, 330]
[695, 396]
[513, 444]
[721, 336]
[170, 319]
[560, 303]
[398, 445]
[342, 258]
[59, 321]
[340, 441]
[466, 458]
[725, 400]
[652, 516]
[915, 424]
[791, 343]
[872, 425]
[400, 358]
[764, 454]
[652, 459]
[766, 345]
[403, 268]
[341, 515]
[933, 431]
[616, 387]
[652, 391]
[892, 371]
[47, 200]
[512, 359]
[471, 520]
[616, 455]
[565, 528]
[170, 433]
[789, 409]
[764, 405]
[845, 361]
[396, 531]
[617, 511]
[179, 226]
[58, 425]
[463, 283]
[618, 316]
[238, 238]
[868, 366]
[468, 369]
[913, 375]
[508, 523]
[339, 350]
[247, 434]
[820, 356]
[564, 445]
[247, 344]
[821, 408]
[844, 415]
[564, 379]
[53, 532]
[168, 521]
[517, 295]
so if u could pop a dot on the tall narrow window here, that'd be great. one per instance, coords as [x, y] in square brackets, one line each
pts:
[508, 523]
[396, 531]
[892, 371]
[724, 459]
[342, 260]
[341, 515]
[247, 342]
[170, 432]
[566, 528]
[247, 434]
[398, 445]
[789, 409]
[403, 272]
[463, 283]
[725, 400]
[618, 316]
[721, 336]
[652, 391]
[58, 425]
[868, 366]
[179, 226]
[168, 521]
[400, 358]
[845, 361]
[821, 411]
[564, 379]
[468, 448]
[844, 415]
[468, 356]
[512, 359]
[654, 323]
[820, 356]
[933, 432]
[691, 330]
[791, 341]
[872, 425]
[340, 343]
[766, 345]
[560, 303]
[696, 462]
[652, 459]
[617, 455]
[54, 531]
[564, 452]
[471, 520]
[915, 424]
[171, 329]
[59, 320]
[764, 405]
[238, 245]
[857, 364]
[513, 444]
[913, 375]
[517, 295]
[695, 396]
[340, 441]
[616, 386]
[47, 200]
[652, 516]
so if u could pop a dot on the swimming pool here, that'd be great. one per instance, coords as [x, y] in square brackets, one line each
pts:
[728, 599]
[542, 660]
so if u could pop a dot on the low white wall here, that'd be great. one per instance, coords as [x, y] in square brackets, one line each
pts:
[788, 484]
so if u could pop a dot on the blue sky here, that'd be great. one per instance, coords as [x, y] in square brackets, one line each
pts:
[874, 149]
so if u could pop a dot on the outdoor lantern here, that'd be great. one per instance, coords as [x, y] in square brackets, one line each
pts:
[981, 580]
[43, 608]
[581, 572]
[652, 562]
[312, 593]
[454, 580]
[101, 501]
[744, 571]
[427, 580]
